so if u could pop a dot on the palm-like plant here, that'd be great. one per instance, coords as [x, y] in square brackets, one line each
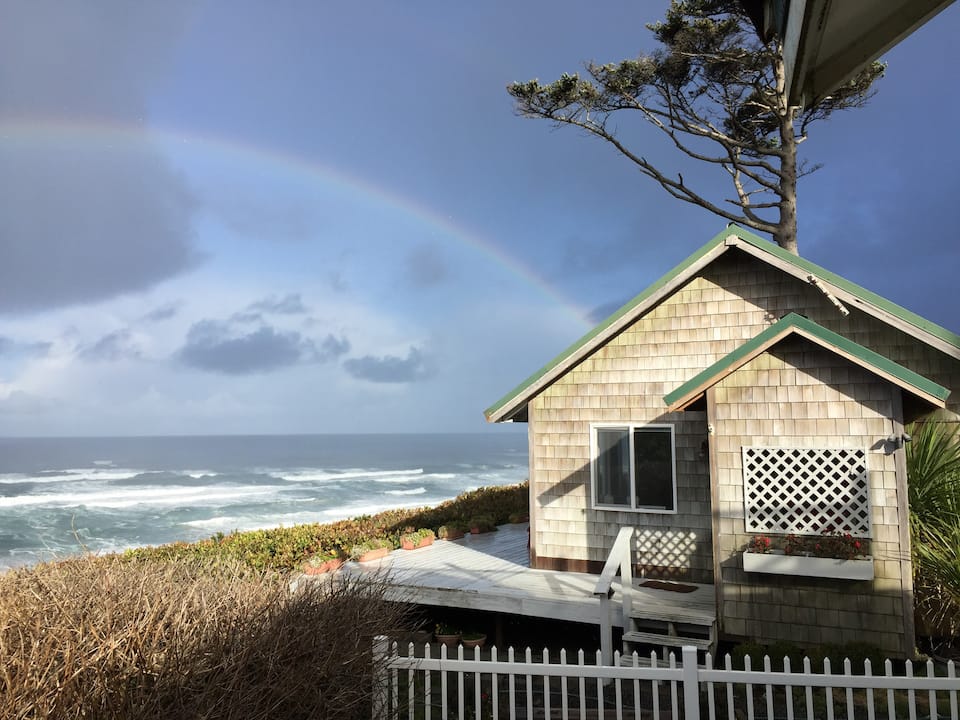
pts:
[933, 476]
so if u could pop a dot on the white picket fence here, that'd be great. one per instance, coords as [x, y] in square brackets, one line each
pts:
[414, 684]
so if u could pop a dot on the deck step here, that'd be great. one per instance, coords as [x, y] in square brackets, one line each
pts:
[666, 640]
[687, 616]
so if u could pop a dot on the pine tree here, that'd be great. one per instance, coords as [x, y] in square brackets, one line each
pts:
[717, 90]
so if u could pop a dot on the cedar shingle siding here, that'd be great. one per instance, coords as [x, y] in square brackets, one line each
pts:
[794, 394]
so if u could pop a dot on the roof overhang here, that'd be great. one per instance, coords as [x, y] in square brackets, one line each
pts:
[793, 324]
[827, 42]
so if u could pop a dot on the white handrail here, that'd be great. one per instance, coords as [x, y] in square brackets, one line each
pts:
[620, 560]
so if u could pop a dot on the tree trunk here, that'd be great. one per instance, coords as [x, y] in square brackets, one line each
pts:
[786, 234]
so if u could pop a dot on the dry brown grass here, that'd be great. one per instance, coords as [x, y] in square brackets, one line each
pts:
[108, 638]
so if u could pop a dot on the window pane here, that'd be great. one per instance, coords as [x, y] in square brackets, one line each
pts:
[653, 466]
[613, 466]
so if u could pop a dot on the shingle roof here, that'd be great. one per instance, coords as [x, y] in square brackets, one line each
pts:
[731, 237]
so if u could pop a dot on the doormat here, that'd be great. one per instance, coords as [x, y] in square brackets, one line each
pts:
[671, 586]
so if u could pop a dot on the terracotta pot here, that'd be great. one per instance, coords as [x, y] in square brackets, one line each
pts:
[324, 567]
[424, 542]
[453, 535]
[448, 640]
[475, 643]
[371, 555]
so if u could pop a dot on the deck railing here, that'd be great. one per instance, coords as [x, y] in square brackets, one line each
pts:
[619, 561]
[493, 686]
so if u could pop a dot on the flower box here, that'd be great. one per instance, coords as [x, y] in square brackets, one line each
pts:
[777, 563]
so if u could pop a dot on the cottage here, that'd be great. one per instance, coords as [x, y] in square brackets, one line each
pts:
[747, 392]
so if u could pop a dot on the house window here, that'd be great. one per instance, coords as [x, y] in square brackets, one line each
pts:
[633, 468]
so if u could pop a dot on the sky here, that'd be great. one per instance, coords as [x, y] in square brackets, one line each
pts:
[315, 217]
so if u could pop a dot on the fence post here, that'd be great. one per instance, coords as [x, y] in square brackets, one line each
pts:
[381, 678]
[691, 684]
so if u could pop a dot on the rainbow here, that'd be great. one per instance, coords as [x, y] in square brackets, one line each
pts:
[112, 134]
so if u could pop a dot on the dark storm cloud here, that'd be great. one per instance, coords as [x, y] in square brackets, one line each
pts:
[906, 257]
[390, 368]
[87, 211]
[426, 266]
[10, 347]
[112, 347]
[215, 347]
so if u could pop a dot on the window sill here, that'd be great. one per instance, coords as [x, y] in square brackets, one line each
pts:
[624, 508]
[833, 568]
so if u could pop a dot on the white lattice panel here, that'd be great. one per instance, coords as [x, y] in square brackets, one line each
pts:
[806, 491]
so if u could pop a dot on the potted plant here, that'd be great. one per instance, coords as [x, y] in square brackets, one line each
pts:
[323, 562]
[473, 639]
[482, 524]
[517, 517]
[453, 530]
[370, 550]
[447, 634]
[417, 539]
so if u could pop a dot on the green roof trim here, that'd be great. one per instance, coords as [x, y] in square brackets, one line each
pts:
[787, 325]
[716, 245]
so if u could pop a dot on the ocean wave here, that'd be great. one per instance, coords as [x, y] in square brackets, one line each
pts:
[139, 496]
[344, 512]
[320, 475]
[70, 475]
[412, 491]
[230, 523]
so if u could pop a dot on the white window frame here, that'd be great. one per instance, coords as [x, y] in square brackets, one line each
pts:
[630, 428]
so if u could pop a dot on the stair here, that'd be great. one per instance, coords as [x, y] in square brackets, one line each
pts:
[654, 629]
[645, 638]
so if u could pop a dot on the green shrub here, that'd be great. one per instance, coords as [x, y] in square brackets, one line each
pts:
[286, 549]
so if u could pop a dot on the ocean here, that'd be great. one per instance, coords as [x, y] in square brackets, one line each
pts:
[60, 496]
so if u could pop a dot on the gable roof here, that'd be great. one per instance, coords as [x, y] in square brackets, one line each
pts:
[733, 236]
[793, 324]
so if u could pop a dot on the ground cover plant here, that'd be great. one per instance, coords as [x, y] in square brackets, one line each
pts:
[285, 549]
[108, 638]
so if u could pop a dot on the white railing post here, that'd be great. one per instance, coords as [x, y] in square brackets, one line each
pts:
[619, 560]
[381, 678]
[606, 631]
[691, 684]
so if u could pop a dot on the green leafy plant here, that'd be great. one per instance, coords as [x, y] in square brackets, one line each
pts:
[444, 628]
[933, 481]
[416, 537]
[452, 529]
[361, 548]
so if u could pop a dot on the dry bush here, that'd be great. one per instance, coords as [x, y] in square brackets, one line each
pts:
[108, 638]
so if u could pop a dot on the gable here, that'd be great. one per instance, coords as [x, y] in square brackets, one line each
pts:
[793, 324]
[733, 239]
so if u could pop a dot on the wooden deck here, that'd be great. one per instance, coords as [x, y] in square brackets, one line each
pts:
[491, 572]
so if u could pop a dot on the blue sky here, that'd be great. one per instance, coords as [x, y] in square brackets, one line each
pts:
[315, 217]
